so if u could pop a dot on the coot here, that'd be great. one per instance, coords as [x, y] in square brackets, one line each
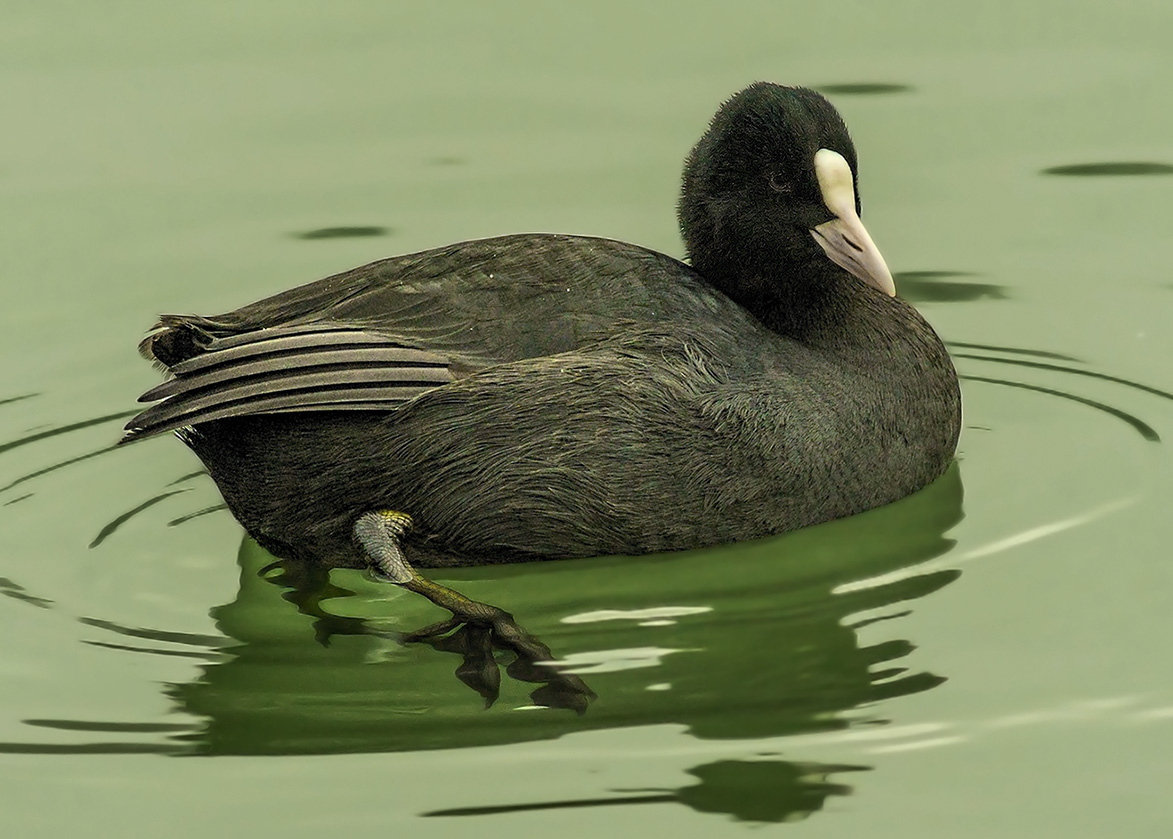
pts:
[538, 396]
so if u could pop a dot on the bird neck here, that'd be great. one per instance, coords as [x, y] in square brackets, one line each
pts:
[827, 309]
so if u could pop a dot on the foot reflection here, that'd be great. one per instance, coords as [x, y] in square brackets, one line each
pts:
[531, 662]
[478, 645]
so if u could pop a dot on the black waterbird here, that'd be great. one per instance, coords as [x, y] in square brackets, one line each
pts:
[538, 396]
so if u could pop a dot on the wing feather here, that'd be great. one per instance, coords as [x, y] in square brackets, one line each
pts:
[280, 370]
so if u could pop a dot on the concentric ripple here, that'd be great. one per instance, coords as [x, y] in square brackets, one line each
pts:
[759, 640]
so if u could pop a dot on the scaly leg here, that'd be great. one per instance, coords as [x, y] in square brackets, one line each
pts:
[380, 535]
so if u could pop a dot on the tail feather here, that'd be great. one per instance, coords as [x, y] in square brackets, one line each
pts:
[176, 338]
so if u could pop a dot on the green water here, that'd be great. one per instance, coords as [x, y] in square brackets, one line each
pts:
[987, 658]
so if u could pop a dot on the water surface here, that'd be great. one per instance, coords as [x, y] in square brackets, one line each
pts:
[987, 657]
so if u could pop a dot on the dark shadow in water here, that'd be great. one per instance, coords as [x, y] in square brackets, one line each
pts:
[447, 161]
[357, 232]
[940, 287]
[91, 749]
[133, 727]
[64, 429]
[1091, 374]
[306, 586]
[152, 650]
[215, 508]
[106, 531]
[1013, 351]
[10, 399]
[10, 588]
[210, 642]
[189, 476]
[1115, 169]
[863, 88]
[18, 499]
[1144, 429]
[751, 791]
[46, 470]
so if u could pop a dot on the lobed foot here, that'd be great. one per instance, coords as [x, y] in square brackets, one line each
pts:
[475, 629]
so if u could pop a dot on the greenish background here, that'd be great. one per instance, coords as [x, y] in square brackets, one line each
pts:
[987, 658]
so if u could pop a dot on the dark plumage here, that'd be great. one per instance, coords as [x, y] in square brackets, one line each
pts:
[539, 396]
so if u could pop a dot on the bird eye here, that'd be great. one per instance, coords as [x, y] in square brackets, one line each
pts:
[778, 184]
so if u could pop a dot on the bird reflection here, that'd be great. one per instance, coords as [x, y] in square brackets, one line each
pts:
[775, 654]
[740, 643]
